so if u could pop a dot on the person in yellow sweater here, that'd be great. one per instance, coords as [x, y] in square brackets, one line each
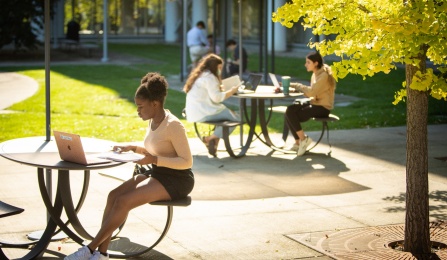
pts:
[166, 149]
[321, 93]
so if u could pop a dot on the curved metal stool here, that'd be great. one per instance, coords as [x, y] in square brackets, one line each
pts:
[185, 202]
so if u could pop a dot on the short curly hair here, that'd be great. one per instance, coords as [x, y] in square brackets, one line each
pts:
[153, 87]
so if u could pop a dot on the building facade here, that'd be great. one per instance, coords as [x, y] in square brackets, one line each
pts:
[164, 21]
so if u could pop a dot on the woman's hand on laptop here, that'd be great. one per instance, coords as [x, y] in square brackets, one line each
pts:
[126, 148]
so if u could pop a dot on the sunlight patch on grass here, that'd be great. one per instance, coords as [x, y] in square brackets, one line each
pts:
[97, 100]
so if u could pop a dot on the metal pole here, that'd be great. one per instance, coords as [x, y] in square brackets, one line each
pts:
[225, 36]
[241, 60]
[266, 51]
[241, 64]
[47, 69]
[214, 26]
[273, 39]
[265, 40]
[261, 25]
[183, 60]
[48, 181]
[104, 33]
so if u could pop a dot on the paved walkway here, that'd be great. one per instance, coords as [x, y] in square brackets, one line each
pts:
[254, 207]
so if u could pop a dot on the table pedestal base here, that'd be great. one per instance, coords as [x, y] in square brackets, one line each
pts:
[36, 235]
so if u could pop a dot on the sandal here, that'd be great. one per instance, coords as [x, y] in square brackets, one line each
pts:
[212, 147]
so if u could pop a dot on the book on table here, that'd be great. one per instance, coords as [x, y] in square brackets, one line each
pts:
[121, 157]
[230, 82]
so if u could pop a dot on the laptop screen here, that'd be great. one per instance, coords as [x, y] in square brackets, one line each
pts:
[274, 80]
[254, 79]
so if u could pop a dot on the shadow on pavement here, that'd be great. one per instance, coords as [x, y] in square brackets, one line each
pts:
[260, 176]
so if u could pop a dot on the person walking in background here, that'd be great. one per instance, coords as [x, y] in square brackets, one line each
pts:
[321, 93]
[233, 64]
[204, 97]
[166, 148]
[197, 42]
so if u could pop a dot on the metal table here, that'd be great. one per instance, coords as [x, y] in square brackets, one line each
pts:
[42, 154]
[258, 116]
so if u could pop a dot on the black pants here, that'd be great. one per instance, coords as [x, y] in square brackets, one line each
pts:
[296, 114]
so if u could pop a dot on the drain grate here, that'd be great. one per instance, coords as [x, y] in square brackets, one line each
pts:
[369, 243]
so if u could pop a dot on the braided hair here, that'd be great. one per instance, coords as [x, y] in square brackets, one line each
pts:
[153, 87]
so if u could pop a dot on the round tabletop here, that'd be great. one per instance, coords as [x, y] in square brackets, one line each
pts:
[268, 94]
[38, 152]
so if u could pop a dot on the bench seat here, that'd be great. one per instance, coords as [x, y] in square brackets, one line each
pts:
[7, 210]
[184, 202]
[325, 128]
[226, 134]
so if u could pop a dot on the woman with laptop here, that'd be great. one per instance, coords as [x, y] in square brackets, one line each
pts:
[166, 148]
[204, 97]
[321, 93]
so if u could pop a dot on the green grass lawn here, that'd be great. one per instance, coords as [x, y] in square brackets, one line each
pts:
[97, 101]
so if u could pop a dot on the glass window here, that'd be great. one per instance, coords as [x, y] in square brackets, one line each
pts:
[250, 19]
[126, 17]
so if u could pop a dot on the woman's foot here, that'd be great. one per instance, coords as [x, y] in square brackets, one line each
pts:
[83, 253]
[98, 256]
[303, 146]
[211, 143]
[212, 147]
[295, 147]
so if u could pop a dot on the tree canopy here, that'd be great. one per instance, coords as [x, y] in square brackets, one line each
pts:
[372, 36]
[21, 21]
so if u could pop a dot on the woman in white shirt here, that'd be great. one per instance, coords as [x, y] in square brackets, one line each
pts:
[204, 97]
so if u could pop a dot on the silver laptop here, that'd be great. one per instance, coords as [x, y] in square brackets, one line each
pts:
[254, 80]
[274, 80]
[71, 150]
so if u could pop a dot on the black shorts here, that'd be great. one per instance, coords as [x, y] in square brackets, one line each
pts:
[178, 183]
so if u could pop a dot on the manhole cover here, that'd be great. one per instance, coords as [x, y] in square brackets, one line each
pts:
[370, 243]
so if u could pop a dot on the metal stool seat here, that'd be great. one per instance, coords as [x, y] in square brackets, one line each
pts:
[325, 128]
[324, 121]
[7, 210]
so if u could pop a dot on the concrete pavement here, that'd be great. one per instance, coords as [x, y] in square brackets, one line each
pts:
[252, 208]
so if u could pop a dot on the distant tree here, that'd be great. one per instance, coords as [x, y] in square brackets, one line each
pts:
[371, 37]
[20, 23]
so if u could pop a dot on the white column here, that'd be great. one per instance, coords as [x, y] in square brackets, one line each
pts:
[57, 24]
[199, 12]
[280, 39]
[229, 20]
[127, 21]
[105, 31]
[171, 21]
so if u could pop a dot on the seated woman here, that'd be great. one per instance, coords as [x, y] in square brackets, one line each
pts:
[204, 97]
[166, 148]
[321, 92]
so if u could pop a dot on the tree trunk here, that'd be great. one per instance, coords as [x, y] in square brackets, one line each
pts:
[417, 231]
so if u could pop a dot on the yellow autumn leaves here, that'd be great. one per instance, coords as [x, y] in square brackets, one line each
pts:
[372, 36]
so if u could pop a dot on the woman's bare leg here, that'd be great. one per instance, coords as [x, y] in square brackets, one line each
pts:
[126, 197]
[118, 191]
[208, 138]
[301, 136]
